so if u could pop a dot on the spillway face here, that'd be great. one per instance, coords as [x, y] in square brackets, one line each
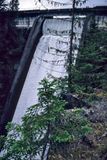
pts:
[49, 58]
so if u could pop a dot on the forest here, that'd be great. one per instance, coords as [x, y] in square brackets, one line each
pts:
[69, 122]
[11, 48]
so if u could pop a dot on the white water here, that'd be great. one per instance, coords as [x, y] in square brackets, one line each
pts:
[49, 58]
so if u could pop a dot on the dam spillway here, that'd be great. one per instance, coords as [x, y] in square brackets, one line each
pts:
[49, 58]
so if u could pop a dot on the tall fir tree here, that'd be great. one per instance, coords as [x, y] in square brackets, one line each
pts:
[92, 61]
[14, 5]
[3, 5]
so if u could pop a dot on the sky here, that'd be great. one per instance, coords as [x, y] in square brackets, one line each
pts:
[27, 4]
[30, 4]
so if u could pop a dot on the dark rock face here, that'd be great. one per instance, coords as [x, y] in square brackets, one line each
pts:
[19, 79]
[73, 101]
[12, 43]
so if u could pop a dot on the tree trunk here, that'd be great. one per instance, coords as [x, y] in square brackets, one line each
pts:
[71, 48]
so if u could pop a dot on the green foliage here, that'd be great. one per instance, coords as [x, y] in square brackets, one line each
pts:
[70, 59]
[44, 123]
[90, 71]
[73, 125]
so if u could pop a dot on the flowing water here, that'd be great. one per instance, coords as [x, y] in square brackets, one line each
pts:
[49, 58]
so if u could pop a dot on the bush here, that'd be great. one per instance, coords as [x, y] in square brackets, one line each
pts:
[43, 125]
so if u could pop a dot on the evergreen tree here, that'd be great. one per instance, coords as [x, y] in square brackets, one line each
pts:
[11, 47]
[75, 3]
[92, 61]
[3, 5]
[45, 124]
[13, 5]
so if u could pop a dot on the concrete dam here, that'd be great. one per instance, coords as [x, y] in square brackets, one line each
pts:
[49, 57]
[45, 53]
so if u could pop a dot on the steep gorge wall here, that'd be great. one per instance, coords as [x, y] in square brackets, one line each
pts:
[12, 42]
[22, 69]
